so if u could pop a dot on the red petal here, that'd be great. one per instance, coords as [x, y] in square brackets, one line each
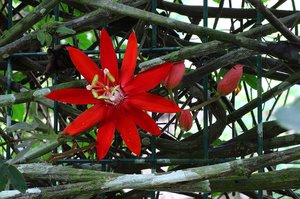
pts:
[108, 57]
[129, 61]
[105, 136]
[129, 132]
[85, 65]
[148, 79]
[154, 103]
[143, 120]
[87, 119]
[73, 96]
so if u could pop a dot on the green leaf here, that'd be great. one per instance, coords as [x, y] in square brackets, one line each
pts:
[217, 1]
[3, 183]
[3, 175]
[40, 125]
[288, 116]
[21, 126]
[65, 30]
[251, 80]
[19, 76]
[218, 142]
[41, 37]
[186, 135]
[48, 39]
[85, 41]
[18, 112]
[17, 179]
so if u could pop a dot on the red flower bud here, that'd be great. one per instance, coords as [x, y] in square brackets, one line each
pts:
[175, 75]
[230, 80]
[185, 120]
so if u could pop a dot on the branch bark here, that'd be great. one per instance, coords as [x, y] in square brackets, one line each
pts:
[238, 40]
[33, 95]
[113, 182]
[28, 21]
[258, 4]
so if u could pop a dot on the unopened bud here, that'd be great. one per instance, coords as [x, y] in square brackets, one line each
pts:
[230, 80]
[185, 120]
[175, 75]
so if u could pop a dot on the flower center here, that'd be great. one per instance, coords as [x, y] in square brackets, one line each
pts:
[108, 91]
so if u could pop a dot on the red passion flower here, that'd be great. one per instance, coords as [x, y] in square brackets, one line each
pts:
[230, 80]
[120, 99]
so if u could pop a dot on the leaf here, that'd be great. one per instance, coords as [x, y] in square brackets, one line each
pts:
[18, 76]
[65, 30]
[218, 142]
[3, 175]
[41, 37]
[18, 112]
[3, 183]
[48, 39]
[288, 116]
[86, 39]
[186, 135]
[40, 125]
[45, 137]
[217, 1]
[21, 126]
[10, 174]
[3, 170]
[251, 80]
[16, 179]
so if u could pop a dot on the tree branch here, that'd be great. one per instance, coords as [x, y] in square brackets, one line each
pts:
[28, 21]
[113, 182]
[33, 95]
[186, 27]
[258, 4]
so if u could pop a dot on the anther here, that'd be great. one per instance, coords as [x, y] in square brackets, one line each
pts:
[109, 75]
[89, 87]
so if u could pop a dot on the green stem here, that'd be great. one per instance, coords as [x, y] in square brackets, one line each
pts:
[211, 100]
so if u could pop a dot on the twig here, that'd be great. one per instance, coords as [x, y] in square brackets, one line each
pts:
[28, 21]
[33, 95]
[258, 4]
[238, 40]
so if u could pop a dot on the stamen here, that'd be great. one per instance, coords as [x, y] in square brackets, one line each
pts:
[109, 75]
[115, 89]
[89, 87]
[95, 80]
[110, 94]
[94, 93]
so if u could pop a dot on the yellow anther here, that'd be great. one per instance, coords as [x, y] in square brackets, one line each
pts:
[115, 89]
[95, 94]
[95, 80]
[109, 75]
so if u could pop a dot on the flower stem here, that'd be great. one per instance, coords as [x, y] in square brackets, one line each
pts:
[211, 100]
[171, 95]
